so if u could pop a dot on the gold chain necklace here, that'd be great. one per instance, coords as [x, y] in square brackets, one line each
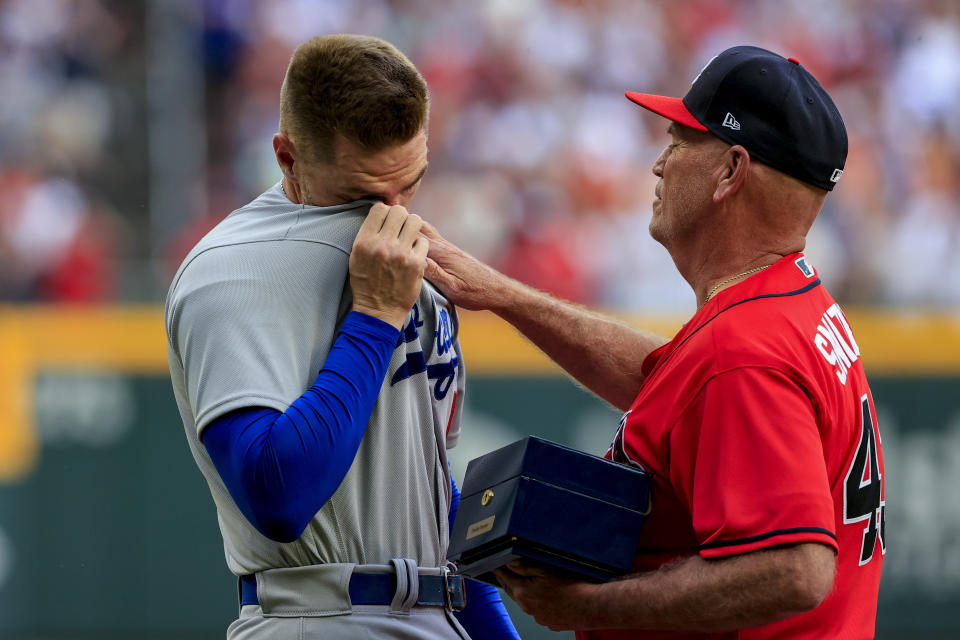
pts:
[731, 279]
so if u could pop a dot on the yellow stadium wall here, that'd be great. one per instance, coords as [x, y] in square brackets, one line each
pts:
[131, 340]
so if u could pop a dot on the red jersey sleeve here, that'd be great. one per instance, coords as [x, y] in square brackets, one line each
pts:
[747, 458]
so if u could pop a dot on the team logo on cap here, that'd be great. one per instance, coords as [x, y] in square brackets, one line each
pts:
[731, 122]
[836, 175]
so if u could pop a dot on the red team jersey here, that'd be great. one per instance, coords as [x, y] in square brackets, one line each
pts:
[758, 427]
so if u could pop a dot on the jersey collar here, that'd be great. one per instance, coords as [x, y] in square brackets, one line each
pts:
[789, 273]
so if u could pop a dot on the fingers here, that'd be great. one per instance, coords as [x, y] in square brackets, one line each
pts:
[506, 579]
[437, 242]
[551, 600]
[436, 248]
[438, 275]
[420, 248]
[391, 230]
[410, 231]
[396, 218]
[433, 272]
[525, 569]
[391, 223]
[430, 231]
[373, 222]
[442, 249]
[386, 221]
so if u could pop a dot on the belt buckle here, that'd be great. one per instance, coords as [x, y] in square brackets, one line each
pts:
[454, 593]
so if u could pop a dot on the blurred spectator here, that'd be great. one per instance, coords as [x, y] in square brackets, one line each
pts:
[59, 235]
[537, 163]
[56, 245]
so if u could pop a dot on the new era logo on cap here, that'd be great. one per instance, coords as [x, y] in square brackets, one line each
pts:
[731, 122]
[836, 175]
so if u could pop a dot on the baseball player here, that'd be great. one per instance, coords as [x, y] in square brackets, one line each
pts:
[320, 379]
[755, 420]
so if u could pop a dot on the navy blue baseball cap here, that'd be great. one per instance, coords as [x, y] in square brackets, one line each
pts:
[768, 104]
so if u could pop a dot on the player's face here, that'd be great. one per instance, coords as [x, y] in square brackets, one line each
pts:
[685, 187]
[391, 176]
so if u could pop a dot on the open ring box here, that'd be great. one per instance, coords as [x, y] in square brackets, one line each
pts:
[537, 500]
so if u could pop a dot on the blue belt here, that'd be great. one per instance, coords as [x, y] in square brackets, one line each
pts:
[379, 588]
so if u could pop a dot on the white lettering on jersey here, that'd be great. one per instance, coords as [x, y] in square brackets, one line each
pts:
[836, 343]
[835, 313]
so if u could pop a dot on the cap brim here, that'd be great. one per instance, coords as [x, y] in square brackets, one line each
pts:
[670, 108]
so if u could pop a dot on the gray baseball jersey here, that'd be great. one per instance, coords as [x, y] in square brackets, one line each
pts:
[250, 317]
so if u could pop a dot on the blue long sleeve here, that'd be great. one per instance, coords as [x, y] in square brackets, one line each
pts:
[484, 617]
[280, 468]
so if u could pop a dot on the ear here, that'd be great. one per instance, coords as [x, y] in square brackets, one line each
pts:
[736, 166]
[286, 153]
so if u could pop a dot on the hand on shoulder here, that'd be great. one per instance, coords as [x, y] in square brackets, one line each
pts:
[463, 279]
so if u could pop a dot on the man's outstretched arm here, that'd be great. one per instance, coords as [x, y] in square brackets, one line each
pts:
[601, 353]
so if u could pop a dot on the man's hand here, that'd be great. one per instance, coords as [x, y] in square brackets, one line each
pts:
[554, 601]
[463, 279]
[387, 263]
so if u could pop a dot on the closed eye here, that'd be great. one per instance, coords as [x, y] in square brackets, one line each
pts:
[416, 180]
[382, 198]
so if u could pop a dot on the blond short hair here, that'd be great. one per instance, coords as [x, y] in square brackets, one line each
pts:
[360, 87]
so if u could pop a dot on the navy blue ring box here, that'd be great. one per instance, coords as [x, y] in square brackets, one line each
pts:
[538, 500]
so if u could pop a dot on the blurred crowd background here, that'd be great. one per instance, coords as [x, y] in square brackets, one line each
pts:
[129, 128]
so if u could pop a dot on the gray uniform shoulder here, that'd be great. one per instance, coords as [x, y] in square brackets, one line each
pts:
[245, 242]
[271, 217]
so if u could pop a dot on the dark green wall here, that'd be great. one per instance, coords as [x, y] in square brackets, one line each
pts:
[114, 533]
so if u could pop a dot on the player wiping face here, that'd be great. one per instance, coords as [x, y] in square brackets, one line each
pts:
[346, 469]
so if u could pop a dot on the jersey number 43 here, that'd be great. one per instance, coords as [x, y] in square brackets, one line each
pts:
[863, 498]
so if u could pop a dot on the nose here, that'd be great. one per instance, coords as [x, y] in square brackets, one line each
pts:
[661, 160]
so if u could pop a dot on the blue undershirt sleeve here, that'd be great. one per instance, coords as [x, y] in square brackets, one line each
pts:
[484, 617]
[281, 468]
